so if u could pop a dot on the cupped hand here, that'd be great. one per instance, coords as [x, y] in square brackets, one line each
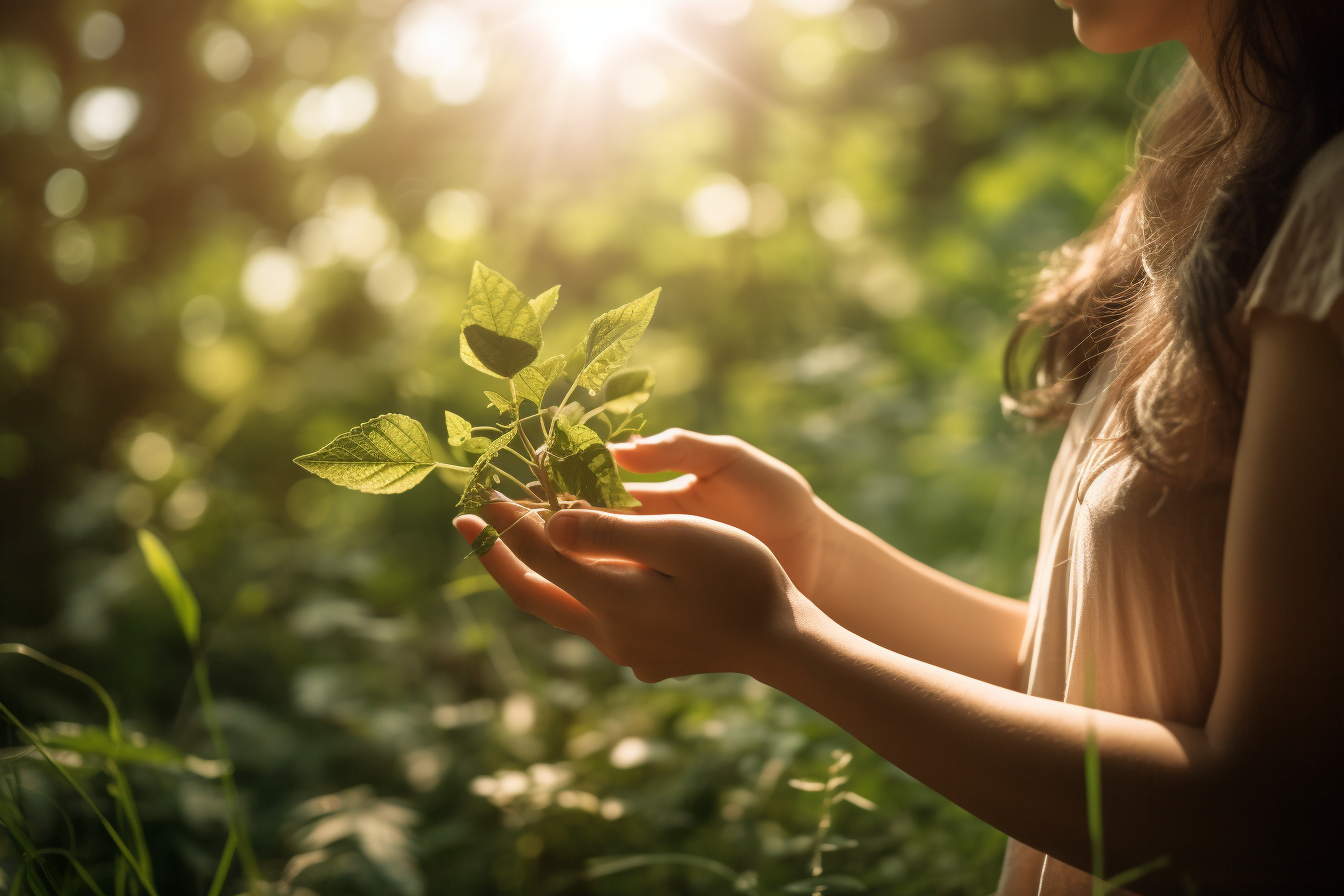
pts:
[735, 483]
[664, 595]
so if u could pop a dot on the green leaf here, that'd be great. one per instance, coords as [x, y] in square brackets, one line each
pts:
[179, 593]
[544, 304]
[575, 358]
[485, 541]
[612, 337]
[501, 403]
[571, 413]
[93, 740]
[476, 444]
[532, 382]
[579, 464]
[478, 489]
[386, 455]
[628, 389]
[459, 429]
[500, 332]
[632, 425]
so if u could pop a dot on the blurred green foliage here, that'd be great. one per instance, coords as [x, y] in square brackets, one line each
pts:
[263, 235]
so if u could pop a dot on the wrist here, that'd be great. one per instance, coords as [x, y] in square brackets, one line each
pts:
[794, 631]
[836, 543]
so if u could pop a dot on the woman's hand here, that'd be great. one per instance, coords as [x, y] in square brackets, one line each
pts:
[730, 481]
[664, 595]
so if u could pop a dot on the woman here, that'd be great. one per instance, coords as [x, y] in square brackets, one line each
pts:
[1191, 568]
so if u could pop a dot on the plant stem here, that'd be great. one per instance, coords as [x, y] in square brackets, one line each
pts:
[508, 475]
[245, 854]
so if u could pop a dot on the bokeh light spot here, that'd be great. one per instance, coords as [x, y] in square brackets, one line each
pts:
[72, 252]
[812, 9]
[226, 54]
[629, 752]
[202, 321]
[391, 280]
[101, 35]
[150, 455]
[233, 133]
[100, 117]
[442, 42]
[719, 206]
[457, 214]
[66, 193]
[271, 280]
[867, 28]
[837, 215]
[809, 58]
[186, 505]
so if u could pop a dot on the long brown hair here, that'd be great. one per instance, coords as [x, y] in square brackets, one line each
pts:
[1156, 278]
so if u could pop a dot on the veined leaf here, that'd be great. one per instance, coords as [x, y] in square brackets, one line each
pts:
[477, 491]
[611, 339]
[575, 359]
[459, 429]
[628, 389]
[532, 382]
[544, 304]
[482, 544]
[571, 413]
[384, 456]
[501, 403]
[500, 332]
[579, 464]
[476, 444]
[179, 593]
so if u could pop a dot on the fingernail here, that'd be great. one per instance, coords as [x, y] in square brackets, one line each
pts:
[563, 530]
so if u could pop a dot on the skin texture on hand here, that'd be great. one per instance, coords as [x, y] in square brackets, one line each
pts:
[735, 483]
[664, 595]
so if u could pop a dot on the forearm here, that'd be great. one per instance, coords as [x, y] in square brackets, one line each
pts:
[897, 602]
[1017, 761]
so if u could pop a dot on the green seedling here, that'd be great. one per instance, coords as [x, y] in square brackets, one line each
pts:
[564, 458]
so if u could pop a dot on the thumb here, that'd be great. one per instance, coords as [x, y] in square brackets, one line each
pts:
[649, 540]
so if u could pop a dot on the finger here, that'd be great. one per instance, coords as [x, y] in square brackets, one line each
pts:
[527, 541]
[680, 450]
[662, 497]
[658, 542]
[528, 590]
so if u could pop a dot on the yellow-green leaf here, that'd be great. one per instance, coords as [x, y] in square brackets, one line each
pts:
[544, 304]
[532, 382]
[459, 429]
[612, 337]
[387, 455]
[628, 389]
[179, 593]
[500, 332]
[579, 464]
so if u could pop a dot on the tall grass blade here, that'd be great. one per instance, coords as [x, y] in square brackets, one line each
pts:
[121, 790]
[225, 860]
[188, 609]
[179, 594]
[1128, 877]
[78, 866]
[107, 825]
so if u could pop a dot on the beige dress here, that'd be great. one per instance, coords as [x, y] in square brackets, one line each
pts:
[1129, 571]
